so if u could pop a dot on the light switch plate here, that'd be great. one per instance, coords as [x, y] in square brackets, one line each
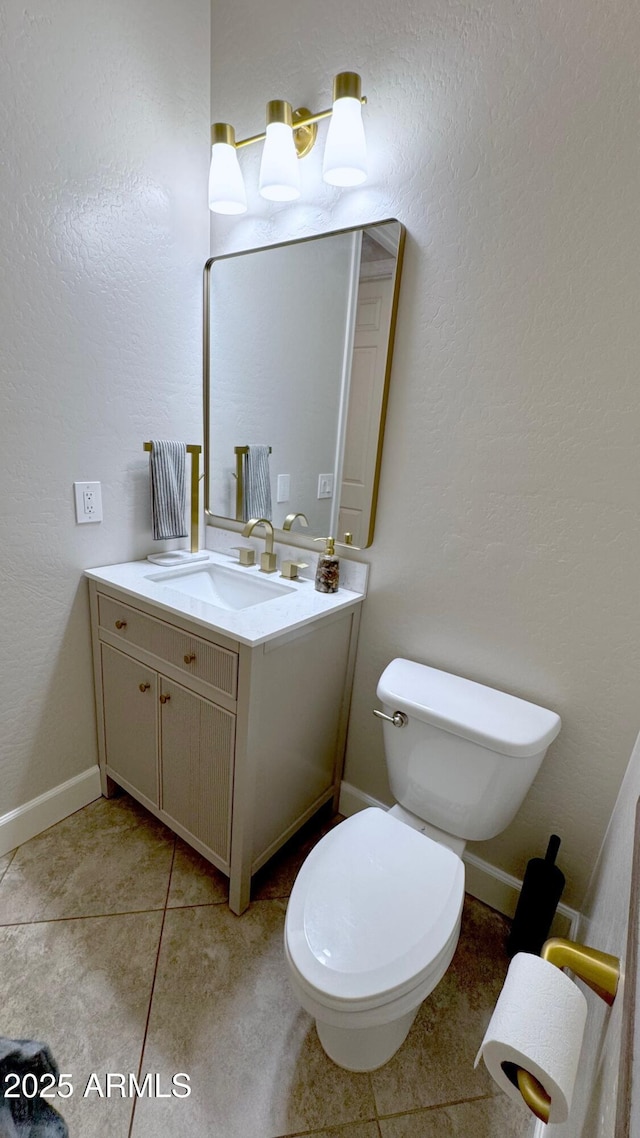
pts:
[282, 488]
[88, 499]
[325, 485]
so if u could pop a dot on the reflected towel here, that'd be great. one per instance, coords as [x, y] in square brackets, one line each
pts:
[167, 464]
[25, 1117]
[257, 483]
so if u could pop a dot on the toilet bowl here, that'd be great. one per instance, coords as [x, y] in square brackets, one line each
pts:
[372, 924]
[374, 916]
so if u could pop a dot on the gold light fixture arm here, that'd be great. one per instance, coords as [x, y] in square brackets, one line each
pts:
[601, 972]
[304, 126]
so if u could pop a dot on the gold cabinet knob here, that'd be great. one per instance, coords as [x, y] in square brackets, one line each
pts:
[165, 698]
[144, 687]
[190, 658]
[121, 624]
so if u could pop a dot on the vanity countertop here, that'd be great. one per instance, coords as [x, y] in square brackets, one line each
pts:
[254, 625]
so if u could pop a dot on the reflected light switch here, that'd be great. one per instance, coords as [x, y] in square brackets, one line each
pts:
[325, 485]
[282, 489]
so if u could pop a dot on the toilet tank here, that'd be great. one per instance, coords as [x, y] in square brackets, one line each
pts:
[467, 754]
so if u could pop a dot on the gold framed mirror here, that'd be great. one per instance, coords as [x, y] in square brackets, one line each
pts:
[298, 342]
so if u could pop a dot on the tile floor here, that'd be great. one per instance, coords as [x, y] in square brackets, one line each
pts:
[118, 949]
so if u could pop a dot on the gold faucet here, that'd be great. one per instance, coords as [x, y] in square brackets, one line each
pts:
[268, 558]
[290, 519]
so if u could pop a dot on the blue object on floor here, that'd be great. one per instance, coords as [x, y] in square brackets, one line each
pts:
[24, 1116]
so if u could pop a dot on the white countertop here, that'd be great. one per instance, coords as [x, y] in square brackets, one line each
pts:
[254, 625]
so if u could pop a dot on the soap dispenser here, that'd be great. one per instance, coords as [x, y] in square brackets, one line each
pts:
[328, 570]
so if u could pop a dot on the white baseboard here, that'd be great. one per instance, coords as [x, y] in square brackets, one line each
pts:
[26, 821]
[496, 888]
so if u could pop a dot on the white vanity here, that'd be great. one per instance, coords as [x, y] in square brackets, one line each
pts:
[227, 723]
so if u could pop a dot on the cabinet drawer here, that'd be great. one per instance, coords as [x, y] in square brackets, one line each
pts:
[191, 655]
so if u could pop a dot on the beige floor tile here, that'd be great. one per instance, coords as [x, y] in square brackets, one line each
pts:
[484, 1118]
[194, 881]
[435, 1064]
[83, 987]
[223, 1013]
[111, 857]
[357, 1130]
[5, 862]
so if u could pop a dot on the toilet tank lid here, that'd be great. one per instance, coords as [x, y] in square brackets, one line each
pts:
[491, 718]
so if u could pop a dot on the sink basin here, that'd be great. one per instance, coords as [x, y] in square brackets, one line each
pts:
[220, 586]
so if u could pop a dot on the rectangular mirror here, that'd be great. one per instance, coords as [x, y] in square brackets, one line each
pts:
[298, 340]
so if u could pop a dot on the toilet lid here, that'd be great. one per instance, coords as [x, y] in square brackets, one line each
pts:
[373, 907]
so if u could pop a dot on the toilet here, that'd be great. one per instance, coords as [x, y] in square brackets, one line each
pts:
[374, 915]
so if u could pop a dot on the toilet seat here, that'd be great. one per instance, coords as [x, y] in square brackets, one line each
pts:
[374, 913]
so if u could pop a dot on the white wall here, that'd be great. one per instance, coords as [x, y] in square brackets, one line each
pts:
[505, 137]
[604, 925]
[104, 119]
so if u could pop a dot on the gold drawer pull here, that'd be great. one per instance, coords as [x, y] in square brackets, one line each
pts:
[121, 624]
[190, 658]
[144, 687]
[165, 698]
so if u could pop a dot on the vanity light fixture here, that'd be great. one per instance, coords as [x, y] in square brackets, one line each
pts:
[291, 135]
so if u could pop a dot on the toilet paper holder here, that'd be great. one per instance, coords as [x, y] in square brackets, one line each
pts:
[601, 972]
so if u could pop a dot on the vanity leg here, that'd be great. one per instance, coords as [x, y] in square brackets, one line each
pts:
[239, 892]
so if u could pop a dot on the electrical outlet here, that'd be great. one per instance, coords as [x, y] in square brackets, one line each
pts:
[325, 485]
[88, 498]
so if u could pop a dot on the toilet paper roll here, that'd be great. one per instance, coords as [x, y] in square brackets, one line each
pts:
[538, 1024]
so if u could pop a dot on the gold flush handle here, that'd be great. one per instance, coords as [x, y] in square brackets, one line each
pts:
[190, 658]
[144, 687]
[120, 624]
[165, 698]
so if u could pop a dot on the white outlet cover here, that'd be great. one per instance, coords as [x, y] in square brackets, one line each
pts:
[88, 500]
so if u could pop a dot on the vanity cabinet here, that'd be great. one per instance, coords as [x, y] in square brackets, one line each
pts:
[233, 746]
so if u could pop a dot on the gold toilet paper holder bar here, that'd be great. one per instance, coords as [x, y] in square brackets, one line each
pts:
[601, 972]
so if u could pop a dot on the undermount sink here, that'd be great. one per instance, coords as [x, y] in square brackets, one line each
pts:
[220, 586]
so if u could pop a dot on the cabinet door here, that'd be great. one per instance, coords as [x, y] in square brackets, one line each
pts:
[197, 741]
[130, 694]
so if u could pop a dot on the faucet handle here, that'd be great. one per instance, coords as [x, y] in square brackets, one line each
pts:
[246, 555]
[289, 569]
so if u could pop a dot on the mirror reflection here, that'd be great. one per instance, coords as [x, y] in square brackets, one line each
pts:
[298, 341]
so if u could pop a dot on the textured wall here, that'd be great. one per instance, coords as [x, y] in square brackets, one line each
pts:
[505, 137]
[104, 117]
[604, 925]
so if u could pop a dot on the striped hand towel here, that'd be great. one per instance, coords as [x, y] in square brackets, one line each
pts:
[167, 464]
[257, 483]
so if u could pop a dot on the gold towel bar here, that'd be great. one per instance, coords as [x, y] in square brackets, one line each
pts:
[601, 972]
[194, 450]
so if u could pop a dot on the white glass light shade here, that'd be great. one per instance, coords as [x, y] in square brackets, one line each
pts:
[279, 172]
[226, 186]
[345, 152]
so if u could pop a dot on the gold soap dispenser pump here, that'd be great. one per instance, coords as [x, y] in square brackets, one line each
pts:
[328, 569]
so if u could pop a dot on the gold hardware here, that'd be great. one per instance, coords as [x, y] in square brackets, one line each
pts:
[289, 569]
[600, 971]
[144, 687]
[290, 519]
[222, 132]
[268, 558]
[194, 450]
[240, 452]
[345, 85]
[246, 555]
[348, 538]
[279, 110]
[165, 698]
[304, 136]
[534, 1094]
[190, 658]
[121, 624]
